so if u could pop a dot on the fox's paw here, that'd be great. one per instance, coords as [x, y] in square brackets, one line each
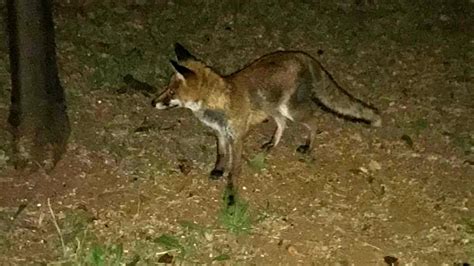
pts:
[303, 149]
[230, 200]
[216, 174]
[267, 146]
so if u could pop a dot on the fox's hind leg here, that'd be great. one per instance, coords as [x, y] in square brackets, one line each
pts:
[310, 124]
[280, 127]
[235, 169]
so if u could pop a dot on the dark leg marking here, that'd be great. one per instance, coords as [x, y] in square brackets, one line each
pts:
[303, 148]
[216, 174]
[267, 146]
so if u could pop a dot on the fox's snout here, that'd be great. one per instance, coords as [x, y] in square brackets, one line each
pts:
[154, 102]
[165, 101]
[161, 103]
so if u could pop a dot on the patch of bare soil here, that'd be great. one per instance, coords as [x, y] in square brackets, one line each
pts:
[133, 186]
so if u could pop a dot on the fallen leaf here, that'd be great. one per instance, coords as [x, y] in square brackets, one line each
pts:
[374, 166]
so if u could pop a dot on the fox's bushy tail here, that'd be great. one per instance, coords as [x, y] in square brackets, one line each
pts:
[329, 95]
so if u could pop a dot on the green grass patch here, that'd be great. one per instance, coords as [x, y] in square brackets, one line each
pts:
[221, 257]
[74, 226]
[171, 243]
[468, 232]
[102, 255]
[82, 246]
[236, 217]
[258, 162]
[419, 125]
[182, 246]
[464, 141]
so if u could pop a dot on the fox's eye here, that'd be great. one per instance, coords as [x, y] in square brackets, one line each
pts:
[172, 92]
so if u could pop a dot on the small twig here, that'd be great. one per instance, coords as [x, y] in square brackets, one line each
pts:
[57, 228]
[370, 245]
[165, 252]
[80, 246]
[78, 249]
[138, 209]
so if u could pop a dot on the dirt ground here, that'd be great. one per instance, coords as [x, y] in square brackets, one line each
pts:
[133, 187]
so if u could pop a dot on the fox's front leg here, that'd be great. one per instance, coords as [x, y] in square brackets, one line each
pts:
[222, 146]
[236, 169]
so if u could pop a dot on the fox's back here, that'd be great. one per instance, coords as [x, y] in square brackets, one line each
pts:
[276, 68]
[272, 79]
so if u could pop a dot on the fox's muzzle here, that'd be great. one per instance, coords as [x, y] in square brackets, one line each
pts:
[154, 102]
[164, 101]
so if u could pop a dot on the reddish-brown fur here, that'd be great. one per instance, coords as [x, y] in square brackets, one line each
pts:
[282, 85]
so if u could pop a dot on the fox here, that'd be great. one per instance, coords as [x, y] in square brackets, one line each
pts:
[283, 86]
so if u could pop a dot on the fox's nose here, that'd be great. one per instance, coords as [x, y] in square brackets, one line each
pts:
[153, 103]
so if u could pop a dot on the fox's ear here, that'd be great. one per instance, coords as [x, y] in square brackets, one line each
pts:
[182, 72]
[182, 54]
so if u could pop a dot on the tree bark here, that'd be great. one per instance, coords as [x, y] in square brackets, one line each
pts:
[37, 115]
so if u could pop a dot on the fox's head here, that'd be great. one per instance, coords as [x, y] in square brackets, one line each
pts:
[187, 86]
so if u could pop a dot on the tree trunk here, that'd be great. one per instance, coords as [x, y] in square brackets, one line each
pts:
[38, 115]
